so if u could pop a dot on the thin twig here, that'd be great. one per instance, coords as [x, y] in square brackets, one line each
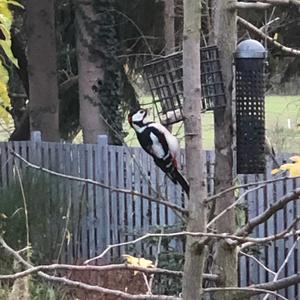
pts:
[225, 236]
[243, 290]
[283, 234]
[256, 30]
[233, 205]
[65, 229]
[28, 246]
[269, 212]
[156, 260]
[283, 265]
[246, 185]
[84, 286]
[258, 262]
[65, 267]
[110, 188]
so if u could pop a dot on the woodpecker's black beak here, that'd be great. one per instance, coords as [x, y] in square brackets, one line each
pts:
[146, 113]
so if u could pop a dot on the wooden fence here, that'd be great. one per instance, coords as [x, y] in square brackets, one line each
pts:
[88, 217]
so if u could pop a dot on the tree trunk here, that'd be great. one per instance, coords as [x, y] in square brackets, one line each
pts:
[42, 68]
[225, 260]
[169, 32]
[90, 74]
[169, 17]
[195, 254]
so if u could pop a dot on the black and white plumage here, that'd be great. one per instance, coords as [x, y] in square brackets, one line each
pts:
[157, 141]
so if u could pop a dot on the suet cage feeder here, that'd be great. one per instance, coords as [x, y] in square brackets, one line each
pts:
[250, 58]
[165, 78]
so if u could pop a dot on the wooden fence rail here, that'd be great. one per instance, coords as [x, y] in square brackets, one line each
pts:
[81, 219]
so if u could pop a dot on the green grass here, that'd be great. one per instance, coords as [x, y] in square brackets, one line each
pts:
[278, 110]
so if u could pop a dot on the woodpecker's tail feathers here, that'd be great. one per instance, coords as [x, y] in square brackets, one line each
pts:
[182, 181]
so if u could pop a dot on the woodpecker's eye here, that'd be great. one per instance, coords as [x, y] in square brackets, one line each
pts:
[141, 111]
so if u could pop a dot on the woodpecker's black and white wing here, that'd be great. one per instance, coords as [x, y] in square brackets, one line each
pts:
[157, 141]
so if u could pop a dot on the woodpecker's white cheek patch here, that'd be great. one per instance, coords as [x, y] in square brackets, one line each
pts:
[157, 148]
[138, 129]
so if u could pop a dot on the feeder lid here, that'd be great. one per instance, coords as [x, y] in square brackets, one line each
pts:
[250, 49]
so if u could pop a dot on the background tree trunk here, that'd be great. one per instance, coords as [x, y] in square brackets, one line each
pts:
[225, 260]
[42, 68]
[169, 32]
[169, 17]
[90, 74]
[195, 254]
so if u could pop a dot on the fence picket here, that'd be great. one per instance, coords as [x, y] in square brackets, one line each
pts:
[102, 194]
[121, 198]
[100, 217]
[137, 204]
[84, 242]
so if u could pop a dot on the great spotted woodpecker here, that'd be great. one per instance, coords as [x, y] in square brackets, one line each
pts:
[157, 141]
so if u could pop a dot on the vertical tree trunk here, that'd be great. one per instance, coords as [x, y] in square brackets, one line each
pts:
[42, 69]
[90, 73]
[169, 32]
[195, 254]
[225, 260]
[169, 17]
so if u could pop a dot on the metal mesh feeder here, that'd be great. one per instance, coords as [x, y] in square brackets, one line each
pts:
[164, 76]
[250, 107]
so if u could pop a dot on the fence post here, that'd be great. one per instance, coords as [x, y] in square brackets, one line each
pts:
[102, 194]
[35, 149]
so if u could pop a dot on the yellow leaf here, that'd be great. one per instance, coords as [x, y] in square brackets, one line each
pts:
[275, 171]
[6, 18]
[4, 98]
[6, 13]
[15, 3]
[293, 168]
[6, 46]
[295, 158]
[138, 261]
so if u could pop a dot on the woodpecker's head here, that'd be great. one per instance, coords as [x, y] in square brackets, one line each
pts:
[137, 117]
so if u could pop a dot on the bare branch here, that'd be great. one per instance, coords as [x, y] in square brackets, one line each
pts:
[225, 236]
[279, 284]
[246, 185]
[263, 4]
[283, 234]
[256, 30]
[56, 267]
[282, 2]
[245, 230]
[156, 261]
[81, 285]
[173, 206]
[233, 204]
[258, 262]
[242, 292]
[250, 5]
[283, 265]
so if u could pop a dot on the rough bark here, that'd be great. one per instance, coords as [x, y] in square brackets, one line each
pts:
[90, 73]
[195, 250]
[169, 17]
[225, 259]
[169, 31]
[42, 68]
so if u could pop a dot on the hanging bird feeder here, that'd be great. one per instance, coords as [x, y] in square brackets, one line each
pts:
[250, 58]
[164, 76]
